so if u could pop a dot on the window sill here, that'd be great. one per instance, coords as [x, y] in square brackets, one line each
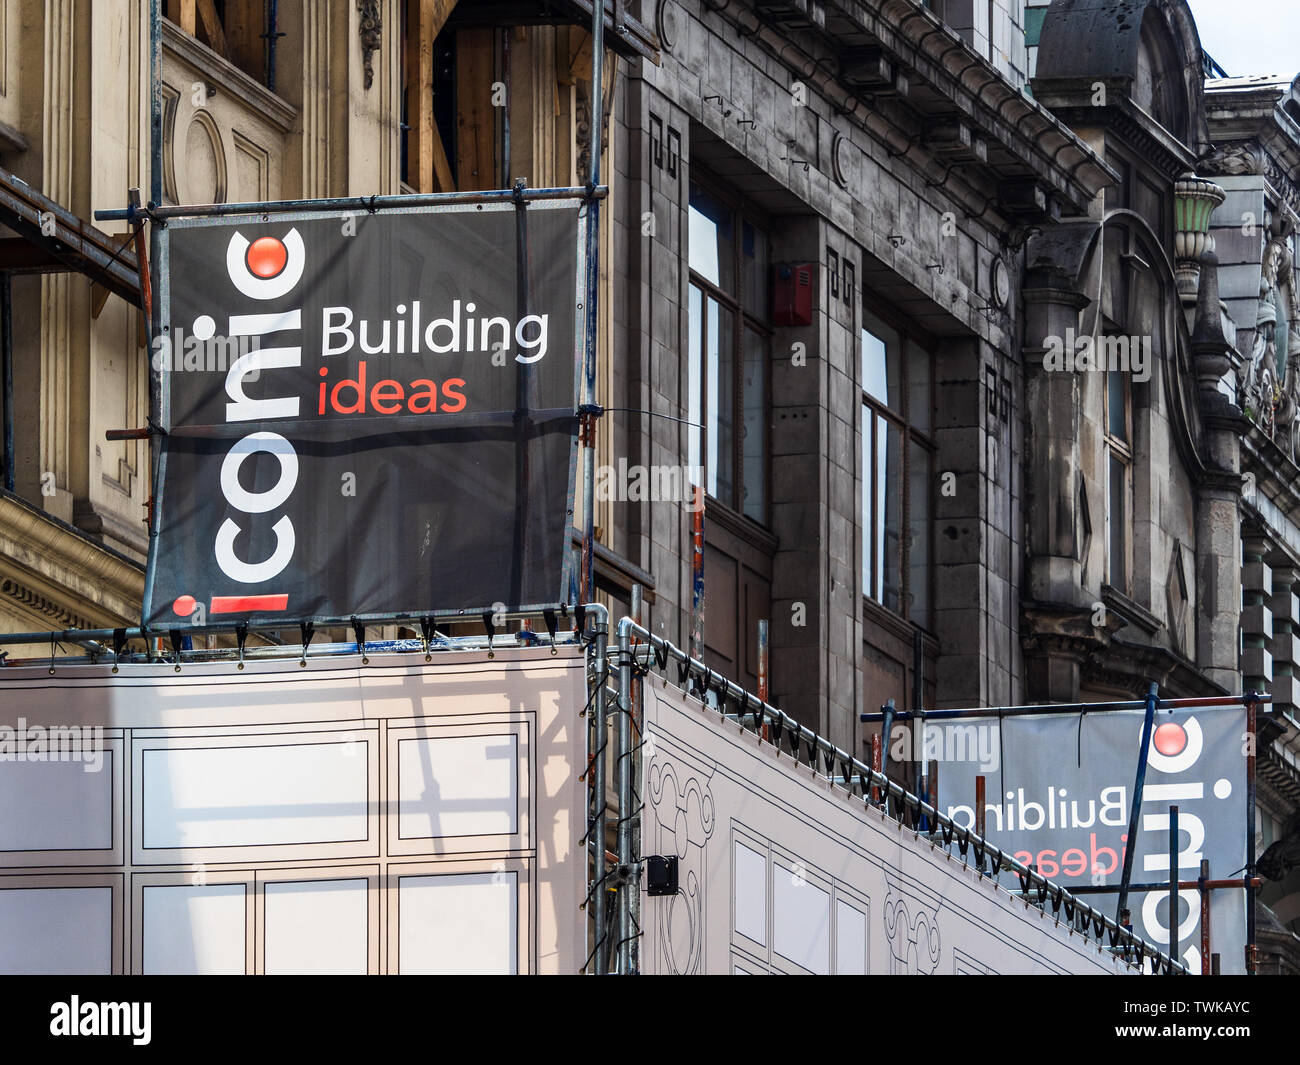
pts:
[739, 525]
[1131, 611]
[876, 614]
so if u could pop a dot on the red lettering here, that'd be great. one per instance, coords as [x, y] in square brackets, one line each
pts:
[385, 391]
[1047, 866]
[1080, 863]
[358, 386]
[428, 395]
[1097, 852]
[448, 391]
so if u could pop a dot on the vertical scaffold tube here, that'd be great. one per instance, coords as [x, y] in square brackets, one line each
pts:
[629, 880]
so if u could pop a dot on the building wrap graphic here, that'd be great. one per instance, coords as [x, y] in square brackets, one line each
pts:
[393, 428]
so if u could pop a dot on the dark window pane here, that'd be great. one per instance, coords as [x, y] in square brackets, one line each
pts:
[694, 381]
[919, 480]
[889, 513]
[753, 263]
[754, 429]
[1117, 517]
[920, 396]
[868, 494]
[880, 363]
[720, 390]
[712, 242]
[1117, 416]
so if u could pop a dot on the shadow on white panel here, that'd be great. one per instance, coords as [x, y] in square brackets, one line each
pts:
[458, 786]
[254, 796]
[194, 930]
[56, 806]
[56, 931]
[464, 923]
[317, 927]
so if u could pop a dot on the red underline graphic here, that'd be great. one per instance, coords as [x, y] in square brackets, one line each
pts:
[242, 604]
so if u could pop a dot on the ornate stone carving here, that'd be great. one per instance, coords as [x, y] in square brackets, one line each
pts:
[371, 31]
[1234, 159]
[1270, 393]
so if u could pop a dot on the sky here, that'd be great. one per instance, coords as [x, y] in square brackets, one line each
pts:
[1250, 36]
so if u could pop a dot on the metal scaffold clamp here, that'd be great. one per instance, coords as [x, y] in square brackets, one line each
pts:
[359, 630]
[426, 634]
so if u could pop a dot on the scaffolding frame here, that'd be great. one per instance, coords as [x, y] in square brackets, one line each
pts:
[637, 652]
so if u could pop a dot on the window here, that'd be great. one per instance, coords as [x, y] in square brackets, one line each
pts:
[1119, 478]
[727, 357]
[237, 30]
[898, 469]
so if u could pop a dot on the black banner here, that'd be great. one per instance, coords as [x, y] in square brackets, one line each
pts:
[366, 414]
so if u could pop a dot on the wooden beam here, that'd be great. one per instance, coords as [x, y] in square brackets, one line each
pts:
[245, 23]
[181, 12]
[476, 118]
[427, 168]
[211, 26]
[419, 97]
[444, 179]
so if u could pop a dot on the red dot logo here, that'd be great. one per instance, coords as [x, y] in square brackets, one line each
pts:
[184, 605]
[1170, 739]
[266, 257]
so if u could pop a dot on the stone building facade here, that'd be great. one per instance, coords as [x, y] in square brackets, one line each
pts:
[846, 244]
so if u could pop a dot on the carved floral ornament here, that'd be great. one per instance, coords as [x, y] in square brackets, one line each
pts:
[371, 30]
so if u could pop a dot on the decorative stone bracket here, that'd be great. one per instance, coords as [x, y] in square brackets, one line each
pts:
[371, 31]
[1194, 201]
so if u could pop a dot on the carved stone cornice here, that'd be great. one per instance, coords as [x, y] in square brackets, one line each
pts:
[1025, 141]
[1148, 140]
[217, 68]
[56, 571]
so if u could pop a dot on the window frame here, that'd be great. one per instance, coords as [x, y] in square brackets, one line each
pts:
[1123, 451]
[742, 212]
[903, 419]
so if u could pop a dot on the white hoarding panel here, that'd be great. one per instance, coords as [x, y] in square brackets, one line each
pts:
[318, 927]
[254, 795]
[768, 846]
[195, 930]
[57, 805]
[458, 786]
[459, 923]
[272, 812]
[56, 930]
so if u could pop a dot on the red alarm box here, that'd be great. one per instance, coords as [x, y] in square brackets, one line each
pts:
[792, 294]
